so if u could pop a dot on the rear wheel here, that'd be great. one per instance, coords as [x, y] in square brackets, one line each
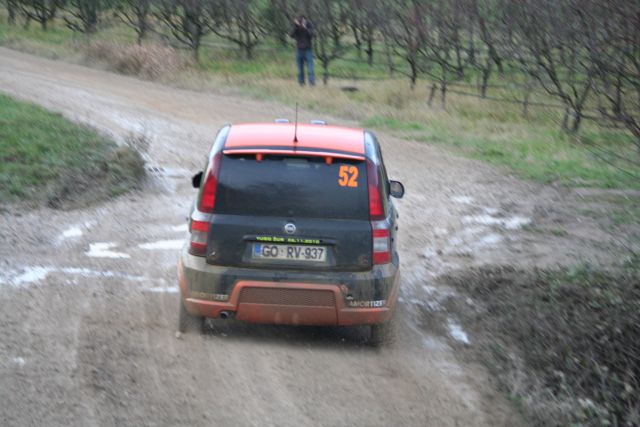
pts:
[382, 334]
[188, 322]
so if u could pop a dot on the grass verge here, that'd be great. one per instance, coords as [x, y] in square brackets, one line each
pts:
[565, 344]
[46, 159]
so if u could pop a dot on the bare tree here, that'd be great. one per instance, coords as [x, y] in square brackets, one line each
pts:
[276, 19]
[404, 28]
[444, 49]
[41, 11]
[186, 20]
[612, 43]
[549, 48]
[135, 14]
[84, 15]
[12, 7]
[363, 18]
[237, 21]
[488, 19]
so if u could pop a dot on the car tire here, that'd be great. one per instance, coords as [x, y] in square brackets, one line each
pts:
[187, 322]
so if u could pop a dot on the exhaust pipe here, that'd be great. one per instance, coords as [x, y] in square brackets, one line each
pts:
[225, 315]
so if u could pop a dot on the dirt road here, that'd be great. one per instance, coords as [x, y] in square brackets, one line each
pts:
[88, 298]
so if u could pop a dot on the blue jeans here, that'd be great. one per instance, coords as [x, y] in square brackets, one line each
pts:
[302, 56]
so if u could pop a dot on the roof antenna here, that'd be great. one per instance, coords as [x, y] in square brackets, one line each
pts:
[295, 132]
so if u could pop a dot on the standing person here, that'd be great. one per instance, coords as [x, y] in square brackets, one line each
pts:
[302, 32]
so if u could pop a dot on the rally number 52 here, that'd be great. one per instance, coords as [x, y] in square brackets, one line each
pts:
[348, 176]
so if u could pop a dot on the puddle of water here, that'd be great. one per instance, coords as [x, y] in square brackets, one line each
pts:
[489, 240]
[511, 223]
[19, 361]
[180, 228]
[456, 332]
[432, 343]
[30, 275]
[71, 232]
[85, 272]
[163, 289]
[440, 231]
[163, 245]
[103, 250]
[463, 200]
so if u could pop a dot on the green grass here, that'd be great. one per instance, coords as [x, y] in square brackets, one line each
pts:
[48, 159]
[533, 147]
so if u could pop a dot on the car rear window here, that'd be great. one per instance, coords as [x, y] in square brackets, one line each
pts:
[292, 187]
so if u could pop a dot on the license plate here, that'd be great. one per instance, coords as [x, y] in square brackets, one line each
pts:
[290, 252]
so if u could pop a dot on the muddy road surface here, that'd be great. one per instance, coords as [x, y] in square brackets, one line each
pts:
[89, 300]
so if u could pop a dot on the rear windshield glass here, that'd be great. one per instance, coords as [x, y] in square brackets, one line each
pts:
[292, 187]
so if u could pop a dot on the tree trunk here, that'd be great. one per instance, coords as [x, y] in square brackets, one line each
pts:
[142, 28]
[577, 120]
[387, 53]
[11, 10]
[443, 94]
[432, 93]
[369, 51]
[486, 73]
[358, 42]
[196, 51]
[325, 72]
[525, 103]
[565, 120]
[248, 52]
[414, 73]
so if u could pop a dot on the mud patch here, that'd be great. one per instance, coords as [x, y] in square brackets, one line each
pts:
[33, 275]
[508, 223]
[564, 343]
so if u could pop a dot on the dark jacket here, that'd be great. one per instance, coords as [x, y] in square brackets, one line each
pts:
[302, 35]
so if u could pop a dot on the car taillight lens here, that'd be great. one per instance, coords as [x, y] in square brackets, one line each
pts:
[381, 250]
[376, 207]
[210, 186]
[381, 242]
[199, 235]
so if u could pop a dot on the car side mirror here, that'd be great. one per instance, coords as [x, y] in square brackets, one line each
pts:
[396, 189]
[196, 180]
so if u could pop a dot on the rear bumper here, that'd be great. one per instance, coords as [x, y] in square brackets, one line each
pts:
[291, 298]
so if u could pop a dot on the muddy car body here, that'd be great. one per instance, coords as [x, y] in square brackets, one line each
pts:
[293, 224]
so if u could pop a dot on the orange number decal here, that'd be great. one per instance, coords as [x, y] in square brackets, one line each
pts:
[353, 182]
[348, 176]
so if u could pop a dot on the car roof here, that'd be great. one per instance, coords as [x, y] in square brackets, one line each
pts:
[312, 139]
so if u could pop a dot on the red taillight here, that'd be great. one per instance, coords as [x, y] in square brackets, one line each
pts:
[199, 235]
[210, 186]
[381, 235]
[376, 207]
